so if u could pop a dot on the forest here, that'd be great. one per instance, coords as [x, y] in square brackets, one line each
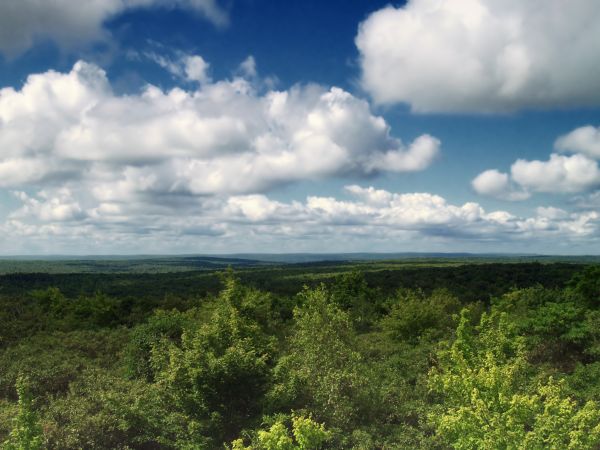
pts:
[333, 355]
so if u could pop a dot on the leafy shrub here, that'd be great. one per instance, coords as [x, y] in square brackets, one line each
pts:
[306, 435]
[491, 401]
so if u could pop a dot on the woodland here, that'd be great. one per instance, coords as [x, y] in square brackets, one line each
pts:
[434, 355]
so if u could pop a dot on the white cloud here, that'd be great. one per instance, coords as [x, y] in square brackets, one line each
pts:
[224, 137]
[559, 174]
[491, 182]
[94, 168]
[552, 213]
[248, 67]
[73, 24]
[497, 184]
[379, 214]
[482, 55]
[371, 218]
[175, 66]
[196, 69]
[584, 140]
[172, 170]
[370, 195]
[181, 65]
[60, 207]
[419, 155]
[18, 171]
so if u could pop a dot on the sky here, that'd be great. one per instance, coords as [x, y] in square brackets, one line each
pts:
[228, 126]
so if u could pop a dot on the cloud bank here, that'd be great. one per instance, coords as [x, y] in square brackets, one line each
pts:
[482, 55]
[83, 161]
[193, 170]
[368, 219]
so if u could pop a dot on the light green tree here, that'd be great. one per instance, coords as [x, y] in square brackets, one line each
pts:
[488, 400]
[323, 371]
[27, 432]
[306, 435]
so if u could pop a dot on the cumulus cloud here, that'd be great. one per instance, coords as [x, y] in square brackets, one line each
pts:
[196, 69]
[72, 24]
[172, 170]
[552, 213]
[60, 207]
[559, 174]
[497, 184]
[482, 55]
[223, 137]
[584, 140]
[419, 155]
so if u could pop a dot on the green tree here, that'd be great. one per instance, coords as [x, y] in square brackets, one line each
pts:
[162, 325]
[53, 360]
[104, 410]
[556, 324]
[50, 300]
[306, 435]
[351, 293]
[586, 284]
[323, 371]
[217, 375]
[415, 316]
[27, 431]
[489, 401]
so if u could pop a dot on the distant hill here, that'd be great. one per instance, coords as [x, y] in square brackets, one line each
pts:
[185, 263]
[120, 264]
[293, 258]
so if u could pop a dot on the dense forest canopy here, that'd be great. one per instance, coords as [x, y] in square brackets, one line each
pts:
[326, 356]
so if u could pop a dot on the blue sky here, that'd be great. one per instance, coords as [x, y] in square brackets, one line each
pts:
[203, 126]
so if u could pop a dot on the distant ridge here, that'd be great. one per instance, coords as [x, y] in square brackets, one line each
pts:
[193, 263]
[291, 258]
[249, 259]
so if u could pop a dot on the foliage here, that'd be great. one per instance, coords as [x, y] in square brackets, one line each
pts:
[489, 399]
[102, 410]
[27, 432]
[306, 435]
[365, 356]
[583, 381]
[559, 328]
[323, 371]
[53, 360]
[218, 373]
[586, 284]
[415, 316]
[351, 293]
[160, 327]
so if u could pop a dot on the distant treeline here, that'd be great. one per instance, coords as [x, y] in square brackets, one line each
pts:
[468, 281]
